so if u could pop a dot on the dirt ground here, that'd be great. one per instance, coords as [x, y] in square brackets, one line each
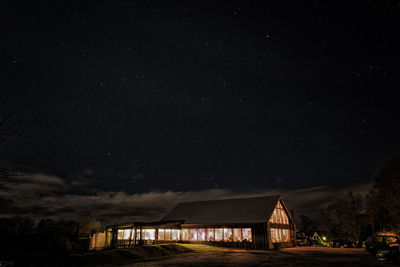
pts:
[299, 257]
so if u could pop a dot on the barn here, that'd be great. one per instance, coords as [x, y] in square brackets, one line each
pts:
[256, 223]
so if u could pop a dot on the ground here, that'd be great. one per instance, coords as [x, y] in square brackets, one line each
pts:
[299, 257]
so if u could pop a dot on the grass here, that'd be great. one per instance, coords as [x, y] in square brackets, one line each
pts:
[200, 248]
[106, 257]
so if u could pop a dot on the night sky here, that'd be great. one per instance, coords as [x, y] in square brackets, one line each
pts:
[146, 98]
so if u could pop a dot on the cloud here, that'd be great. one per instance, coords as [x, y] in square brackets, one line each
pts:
[41, 195]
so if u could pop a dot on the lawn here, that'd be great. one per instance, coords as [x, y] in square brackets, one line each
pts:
[108, 257]
[203, 255]
[299, 257]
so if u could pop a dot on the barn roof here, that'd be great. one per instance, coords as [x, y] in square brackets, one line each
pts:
[240, 210]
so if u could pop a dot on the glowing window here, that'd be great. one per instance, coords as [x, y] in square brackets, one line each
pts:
[175, 234]
[237, 234]
[219, 234]
[279, 215]
[149, 234]
[185, 234]
[167, 234]
[246, 232]
[127, 234]
[280, 235]
[210, 234]
[201, 234]
[193, 234]
[132, 234]
[228, 235]
[120, 235]
[160, 234]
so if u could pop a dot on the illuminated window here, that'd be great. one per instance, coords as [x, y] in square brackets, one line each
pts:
[219, 234]
[237, 234]
[167, 234]
[149, 234]
[185, 234]
[280, 235]
[132, 234]
[138, 234]
[120, 235]
[279, 215]
[193, 234]
[210, 234]
[201, 234]
[246, 232]
[160, 234]
[228, 235]
[127, 234]
[124, 234]
[175, 234]
[109, 236]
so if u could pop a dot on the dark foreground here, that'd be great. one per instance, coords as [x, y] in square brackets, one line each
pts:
[202, 255]
[304, 256]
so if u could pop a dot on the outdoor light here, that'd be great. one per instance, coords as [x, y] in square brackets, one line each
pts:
[324, 238]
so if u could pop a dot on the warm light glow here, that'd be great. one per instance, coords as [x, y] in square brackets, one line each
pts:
[127, 234]
[149, 234]
[167, 234]
[192, 234]
[175, 234]
[185, 234]
[124, 234]
[228, 235]
[161, 234]
[201, 234]
[324, 238]
[246, 232]
[138, 234]
[120, 235]
[210, 234]
[219, 234]
[237, 235]
[279, 215]
[280, 235]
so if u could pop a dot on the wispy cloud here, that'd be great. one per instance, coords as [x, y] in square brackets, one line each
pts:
[42, 195]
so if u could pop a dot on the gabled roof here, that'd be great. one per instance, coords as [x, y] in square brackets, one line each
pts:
[240, 210]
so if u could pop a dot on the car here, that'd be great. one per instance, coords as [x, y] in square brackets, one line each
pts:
[385, 246]
[341, 243]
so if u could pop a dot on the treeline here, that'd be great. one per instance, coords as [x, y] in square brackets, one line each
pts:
[354, 218]
[21, 235]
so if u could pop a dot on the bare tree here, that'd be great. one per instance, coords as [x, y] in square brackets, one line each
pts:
[384, 198]
[345, 217]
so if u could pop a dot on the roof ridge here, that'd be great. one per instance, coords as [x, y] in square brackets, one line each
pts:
[210, 200]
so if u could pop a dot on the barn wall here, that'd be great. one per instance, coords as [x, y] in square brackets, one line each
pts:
[260, 236]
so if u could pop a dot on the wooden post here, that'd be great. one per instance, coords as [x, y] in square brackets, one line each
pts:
[294, 229]
[141, 236]
[130, 238]
[269, 245]
[135, 235]
[114, 239]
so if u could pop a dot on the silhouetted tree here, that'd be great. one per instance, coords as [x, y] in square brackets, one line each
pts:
[307, 225]
[57, 236]
[17, 225]
[345, 217]
[89, 226]
[384, 198]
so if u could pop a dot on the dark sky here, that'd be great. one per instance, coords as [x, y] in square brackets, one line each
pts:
[156, 96]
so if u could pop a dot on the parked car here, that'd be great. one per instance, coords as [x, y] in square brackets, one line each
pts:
[384, 246]
[341, 243]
